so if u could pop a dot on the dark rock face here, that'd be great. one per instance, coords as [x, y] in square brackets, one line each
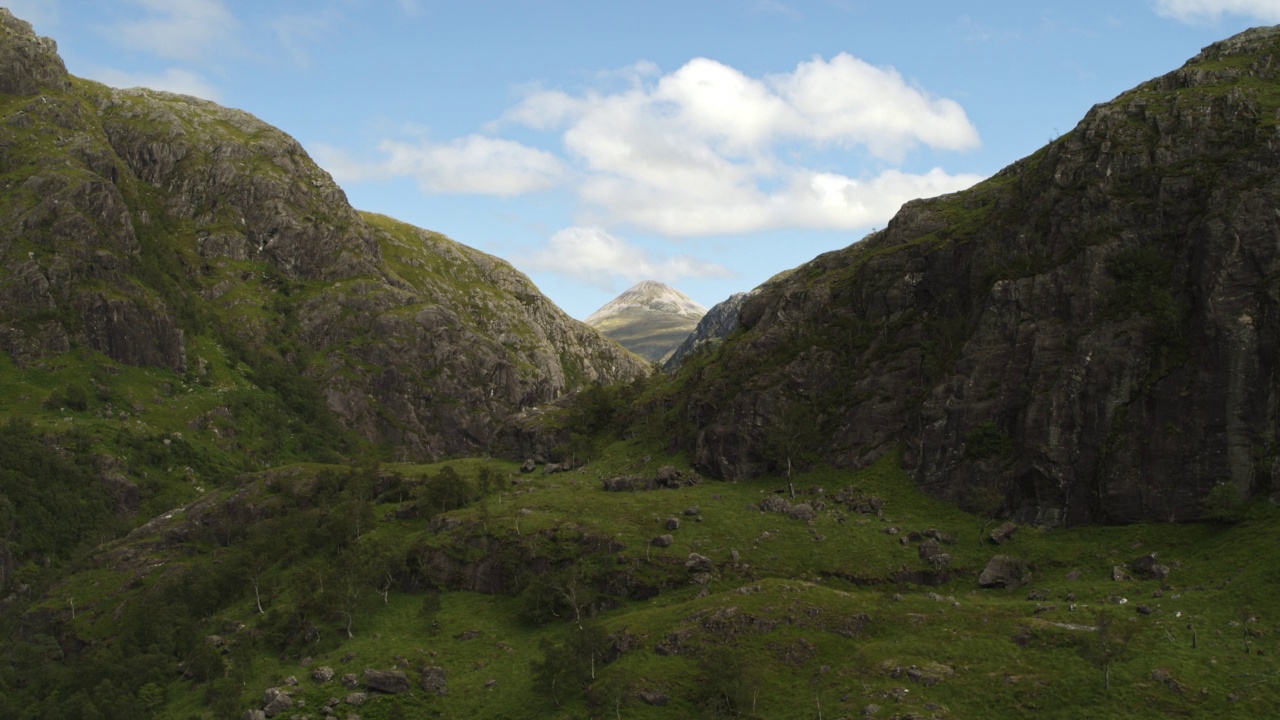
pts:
[1095, 330]
[717, 324]
[435, 681]
[158, 221]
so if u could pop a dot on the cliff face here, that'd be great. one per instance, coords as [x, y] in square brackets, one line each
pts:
[1094, 332]
[162, 230]
[719, 322]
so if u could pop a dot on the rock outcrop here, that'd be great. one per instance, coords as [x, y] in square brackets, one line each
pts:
[1094, 331]
[715, 325]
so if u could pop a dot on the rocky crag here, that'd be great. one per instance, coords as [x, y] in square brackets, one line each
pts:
[719, 322]
[162, 230]
[1091, 335]
[650, 319]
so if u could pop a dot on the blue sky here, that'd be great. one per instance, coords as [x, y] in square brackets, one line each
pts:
[708, 144]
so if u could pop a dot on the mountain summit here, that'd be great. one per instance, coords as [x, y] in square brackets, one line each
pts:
[650, 319]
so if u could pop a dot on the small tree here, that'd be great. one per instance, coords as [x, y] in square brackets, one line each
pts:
[1108, 644]
[793, 439]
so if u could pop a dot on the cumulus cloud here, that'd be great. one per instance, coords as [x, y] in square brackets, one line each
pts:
[187, 30]
[1195, 11]
[172, 80]
[595, 256]
[690, 152]
[475, 164]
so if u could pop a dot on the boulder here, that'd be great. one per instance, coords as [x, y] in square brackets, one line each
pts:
[322, 674]
[699, 563]
[692, 511]
[275, 701]
[392, 682]
[802, 511]
[673, 523]
[940, 536]
[350, 681]
[662, 541]
[668, 476]
[1004, 571]
[775, 504]
[929, 548]
[435, 681]
[528, 466]
[1003, 534]
[356, 698]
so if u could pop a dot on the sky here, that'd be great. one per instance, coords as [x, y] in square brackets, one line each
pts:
[707, 144]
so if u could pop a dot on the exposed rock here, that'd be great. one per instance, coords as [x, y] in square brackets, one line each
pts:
[356, 698]
[940, 536]
[650, 319]
[435, 681]
[801, 511]
[350, 681]
[322, 674]
[1119, 574]
[1091, 330]
[1004, 571]
[714, 326]
[673, 523]
[391, 682]
[1004, 533]
[668, 475]
[929, 548]
[663, 541]
[699, 563]
[775, 504]
[275, 701]
[528, 466]
[692, 511]
[656, 698]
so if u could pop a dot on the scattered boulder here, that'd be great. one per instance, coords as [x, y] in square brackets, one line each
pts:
[356, 698]
[775, 504]
[929, 548]
[322, 674]
[936, 534]
[1119, 574]
[940, 561]
[391, 682]
[673, 523]
[1164, 677]
[528, 466]
[801, 511]
[1003, 534]
[626, 483]
[662, 541]
[253, 715]
[435, 680]
[350, 681]
[275, 701]
[699, 563]
[692, 511]
[1004, 571]
[668, 476]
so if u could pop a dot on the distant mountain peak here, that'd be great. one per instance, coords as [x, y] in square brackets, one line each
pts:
[654, 296]
[650, 319]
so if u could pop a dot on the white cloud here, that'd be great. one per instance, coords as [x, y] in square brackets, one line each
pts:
[180, 29]
[692, 152]
[595, 256]
[475, 164]
[173, 80]
[1195, 11]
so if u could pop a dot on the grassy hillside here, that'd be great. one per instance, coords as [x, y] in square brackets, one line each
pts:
[542, 595]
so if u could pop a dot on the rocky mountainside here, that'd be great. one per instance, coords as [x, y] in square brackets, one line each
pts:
[719, 322]
[1091, 335]
[145, 229]
[650, 319]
